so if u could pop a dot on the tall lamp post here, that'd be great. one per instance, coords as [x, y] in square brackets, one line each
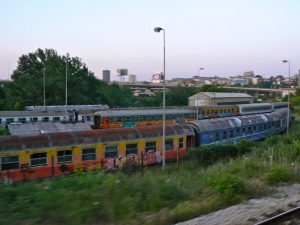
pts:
[199, 71]
[197, 99]
[158, 29]
[288, 117]
[66, 103]
[44, 82]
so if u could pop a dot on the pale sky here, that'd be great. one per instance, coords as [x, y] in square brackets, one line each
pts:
[226, 37]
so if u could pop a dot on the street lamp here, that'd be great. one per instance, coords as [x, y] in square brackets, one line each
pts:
[44, 82]
[66, 103]
[158, 29]
[288, 117]
[199, 71]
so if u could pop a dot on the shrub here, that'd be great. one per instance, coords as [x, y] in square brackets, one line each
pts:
[277, 175]
[227, 185]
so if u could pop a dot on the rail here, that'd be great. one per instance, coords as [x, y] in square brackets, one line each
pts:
[280, 217]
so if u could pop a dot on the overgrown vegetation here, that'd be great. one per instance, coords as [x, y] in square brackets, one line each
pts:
[209, 179]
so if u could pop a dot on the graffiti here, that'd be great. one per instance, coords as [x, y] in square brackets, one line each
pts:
[151, 157]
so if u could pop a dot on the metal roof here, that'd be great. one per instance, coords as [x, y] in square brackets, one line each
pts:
[36, 128]
[238, 121]
[254, 105]
[69, 139]
[221, 95]
[141, 112]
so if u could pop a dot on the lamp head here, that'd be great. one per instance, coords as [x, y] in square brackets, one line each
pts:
[201, 68]
[285, 61]
[157, 29]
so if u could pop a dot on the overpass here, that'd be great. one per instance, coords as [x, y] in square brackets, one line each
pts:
[153, 87]
[282, 91]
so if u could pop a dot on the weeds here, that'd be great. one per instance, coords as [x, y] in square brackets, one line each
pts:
[210, 178]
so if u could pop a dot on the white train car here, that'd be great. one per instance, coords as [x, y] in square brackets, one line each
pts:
[247, 109]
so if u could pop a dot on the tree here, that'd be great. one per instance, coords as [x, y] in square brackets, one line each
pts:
[27, 86]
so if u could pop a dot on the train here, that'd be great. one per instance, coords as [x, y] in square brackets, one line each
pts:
[115, 118]
[54, 154]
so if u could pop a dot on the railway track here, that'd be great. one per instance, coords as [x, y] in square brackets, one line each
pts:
[285, 216]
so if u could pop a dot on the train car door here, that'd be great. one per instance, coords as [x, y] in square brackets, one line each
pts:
[105, 122]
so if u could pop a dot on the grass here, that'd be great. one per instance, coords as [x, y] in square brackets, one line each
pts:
[205, 182]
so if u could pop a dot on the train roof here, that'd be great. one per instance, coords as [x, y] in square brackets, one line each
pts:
[237, 121]
[141, 112]
[254, 104]
[71, 139]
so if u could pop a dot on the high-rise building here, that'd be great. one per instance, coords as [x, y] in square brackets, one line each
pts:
[131, 78]
[299, 78]
[106, 75]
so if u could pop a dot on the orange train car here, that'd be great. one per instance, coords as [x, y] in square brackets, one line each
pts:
[31, 157]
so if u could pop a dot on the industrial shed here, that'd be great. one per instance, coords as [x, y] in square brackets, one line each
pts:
[219, 98]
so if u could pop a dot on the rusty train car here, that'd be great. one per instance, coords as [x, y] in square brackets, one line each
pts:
[24, 158]
[54, 154]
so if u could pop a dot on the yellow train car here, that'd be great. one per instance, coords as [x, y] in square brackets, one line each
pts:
[25, 158]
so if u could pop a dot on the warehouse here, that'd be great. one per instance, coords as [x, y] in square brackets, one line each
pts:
[219, 98]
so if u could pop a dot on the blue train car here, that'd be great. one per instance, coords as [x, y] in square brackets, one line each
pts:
[233, 129]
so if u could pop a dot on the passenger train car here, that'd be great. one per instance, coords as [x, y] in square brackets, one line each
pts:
[54, 154]
[114, 118]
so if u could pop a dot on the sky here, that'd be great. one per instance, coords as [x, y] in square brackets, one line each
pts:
[225, 37]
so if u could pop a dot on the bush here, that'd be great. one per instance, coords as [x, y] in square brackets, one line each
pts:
[227, 185]
[277, 175]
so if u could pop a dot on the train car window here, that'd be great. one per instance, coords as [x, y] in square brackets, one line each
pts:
[152, 118]
[144, 118]
[217, 111]
[180, 144]
[254, 129]
[88, 154]
[38, 159]
[169, 144]
[231, 133]
[9, 120]
[136, 118]
[269, 125]
[249, 130]
[88, 118]
[277, 124]
[238, 132]
[64, 156]
[174, 117]
[243, 130]
[224, 134]
[45, 119]
[260, 127]
[160, 117]
[111, 151]
[131, 149]
[150, 146]
[221, 110]
[265, 126]
[22, 120]
[111, 120]
[273, 124]
[217, 136]
[211, 137]
[119, 119]
[168, 117]
[10, 162]
[56, 118]
[33, 119]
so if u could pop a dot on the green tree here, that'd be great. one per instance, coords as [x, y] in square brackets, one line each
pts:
[27, 86]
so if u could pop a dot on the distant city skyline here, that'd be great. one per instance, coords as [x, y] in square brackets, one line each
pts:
[225, 37]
